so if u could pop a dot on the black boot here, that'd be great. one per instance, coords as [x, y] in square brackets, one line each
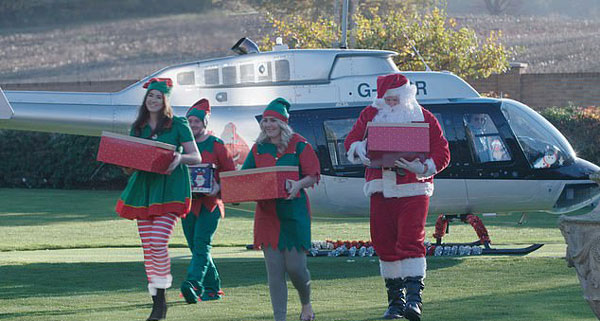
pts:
[414, 289]
[396, 302]
[159, 306]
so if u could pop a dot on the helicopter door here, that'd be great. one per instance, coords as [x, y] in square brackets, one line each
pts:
[450, 194]
[495, 169]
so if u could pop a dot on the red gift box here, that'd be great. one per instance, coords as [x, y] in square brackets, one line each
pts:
[138, 153]
[387, 142]
[256, 184]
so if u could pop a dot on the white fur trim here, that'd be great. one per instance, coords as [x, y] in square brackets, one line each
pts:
[400, 190]
[415, 266]
[390, 270]
[352, 156]
[159, 282]
[398, 91]
[431, 170]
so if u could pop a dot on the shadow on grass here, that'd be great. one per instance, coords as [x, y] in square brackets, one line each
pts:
[67, 279]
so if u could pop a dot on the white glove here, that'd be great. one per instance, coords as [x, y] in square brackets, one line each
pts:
[415, 166]
[359, 149]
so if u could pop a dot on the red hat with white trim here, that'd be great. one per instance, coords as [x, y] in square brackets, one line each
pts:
[386, 85]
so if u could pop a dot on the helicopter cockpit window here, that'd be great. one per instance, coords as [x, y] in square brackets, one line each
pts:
[543, 145]
[211, 76]
[336, 132]
[186, 78]
[486, 143]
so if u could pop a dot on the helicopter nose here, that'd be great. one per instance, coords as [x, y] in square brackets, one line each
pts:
[582, 192]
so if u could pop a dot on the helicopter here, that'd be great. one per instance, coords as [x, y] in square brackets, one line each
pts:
[527, 164]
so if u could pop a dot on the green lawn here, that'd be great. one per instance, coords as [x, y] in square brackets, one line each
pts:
[64, 255]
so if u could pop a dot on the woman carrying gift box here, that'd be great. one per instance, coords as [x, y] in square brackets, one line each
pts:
[157, 200]
[282, 226]
[399, 196]
[203, 280]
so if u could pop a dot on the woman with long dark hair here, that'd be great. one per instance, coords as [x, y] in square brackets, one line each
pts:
[157, 200]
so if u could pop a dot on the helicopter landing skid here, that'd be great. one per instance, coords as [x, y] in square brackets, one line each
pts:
[442, 226]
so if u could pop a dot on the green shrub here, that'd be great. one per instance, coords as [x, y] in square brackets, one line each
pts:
[37, 160]
[581, 126]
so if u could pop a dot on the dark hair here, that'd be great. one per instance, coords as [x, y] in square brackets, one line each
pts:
[164, 122]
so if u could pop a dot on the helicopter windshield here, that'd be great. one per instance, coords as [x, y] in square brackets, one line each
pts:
[543, 145]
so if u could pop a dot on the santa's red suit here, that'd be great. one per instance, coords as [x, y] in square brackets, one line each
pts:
[399, 204]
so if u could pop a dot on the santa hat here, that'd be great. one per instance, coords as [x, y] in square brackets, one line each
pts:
[389, 85]
[163, 85]
[393, 85]
[200, 109]
[278, 108]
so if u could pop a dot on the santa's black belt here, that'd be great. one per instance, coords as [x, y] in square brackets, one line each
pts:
[398, 170]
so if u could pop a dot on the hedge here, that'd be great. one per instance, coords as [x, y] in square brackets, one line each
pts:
[38, 160]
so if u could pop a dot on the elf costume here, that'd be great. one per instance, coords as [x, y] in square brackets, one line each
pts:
[203, 280]
[400, 198]
[283, 224]
[156, 201]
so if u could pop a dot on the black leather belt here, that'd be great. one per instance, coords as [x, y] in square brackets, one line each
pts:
[398, 170]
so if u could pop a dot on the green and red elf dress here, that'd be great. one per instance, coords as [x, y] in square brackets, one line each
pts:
[284, 224]
[150, 194]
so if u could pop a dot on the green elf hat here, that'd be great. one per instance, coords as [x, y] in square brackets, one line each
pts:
[163, 85]
[200, 109]
[278, 108]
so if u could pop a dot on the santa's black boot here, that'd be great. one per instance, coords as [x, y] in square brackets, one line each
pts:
[159, 306]
[396, 302]
[414, 289]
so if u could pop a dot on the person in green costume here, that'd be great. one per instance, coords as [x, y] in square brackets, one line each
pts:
[282, 226]
[157, 200]
[203, 279]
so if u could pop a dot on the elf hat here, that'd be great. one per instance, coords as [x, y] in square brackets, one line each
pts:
[163, 85]
[200, 109]
[278, 108]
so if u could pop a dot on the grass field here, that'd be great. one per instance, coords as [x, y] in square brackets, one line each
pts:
[64, 255]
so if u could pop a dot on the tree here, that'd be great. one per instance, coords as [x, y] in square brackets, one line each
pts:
[442, 45]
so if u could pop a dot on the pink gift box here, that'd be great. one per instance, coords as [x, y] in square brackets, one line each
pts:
[387, 142]
[138, 153]
[256, 184]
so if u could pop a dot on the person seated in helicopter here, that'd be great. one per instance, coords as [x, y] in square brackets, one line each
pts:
[476, 124]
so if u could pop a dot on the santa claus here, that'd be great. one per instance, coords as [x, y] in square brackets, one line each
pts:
[399, 195]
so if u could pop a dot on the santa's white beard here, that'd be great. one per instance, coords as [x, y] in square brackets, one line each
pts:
[401, 113]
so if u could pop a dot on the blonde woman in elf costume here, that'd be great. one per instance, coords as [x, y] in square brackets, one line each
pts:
[400, 195]
[157, 200]
[200, 225]
[282, 226]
